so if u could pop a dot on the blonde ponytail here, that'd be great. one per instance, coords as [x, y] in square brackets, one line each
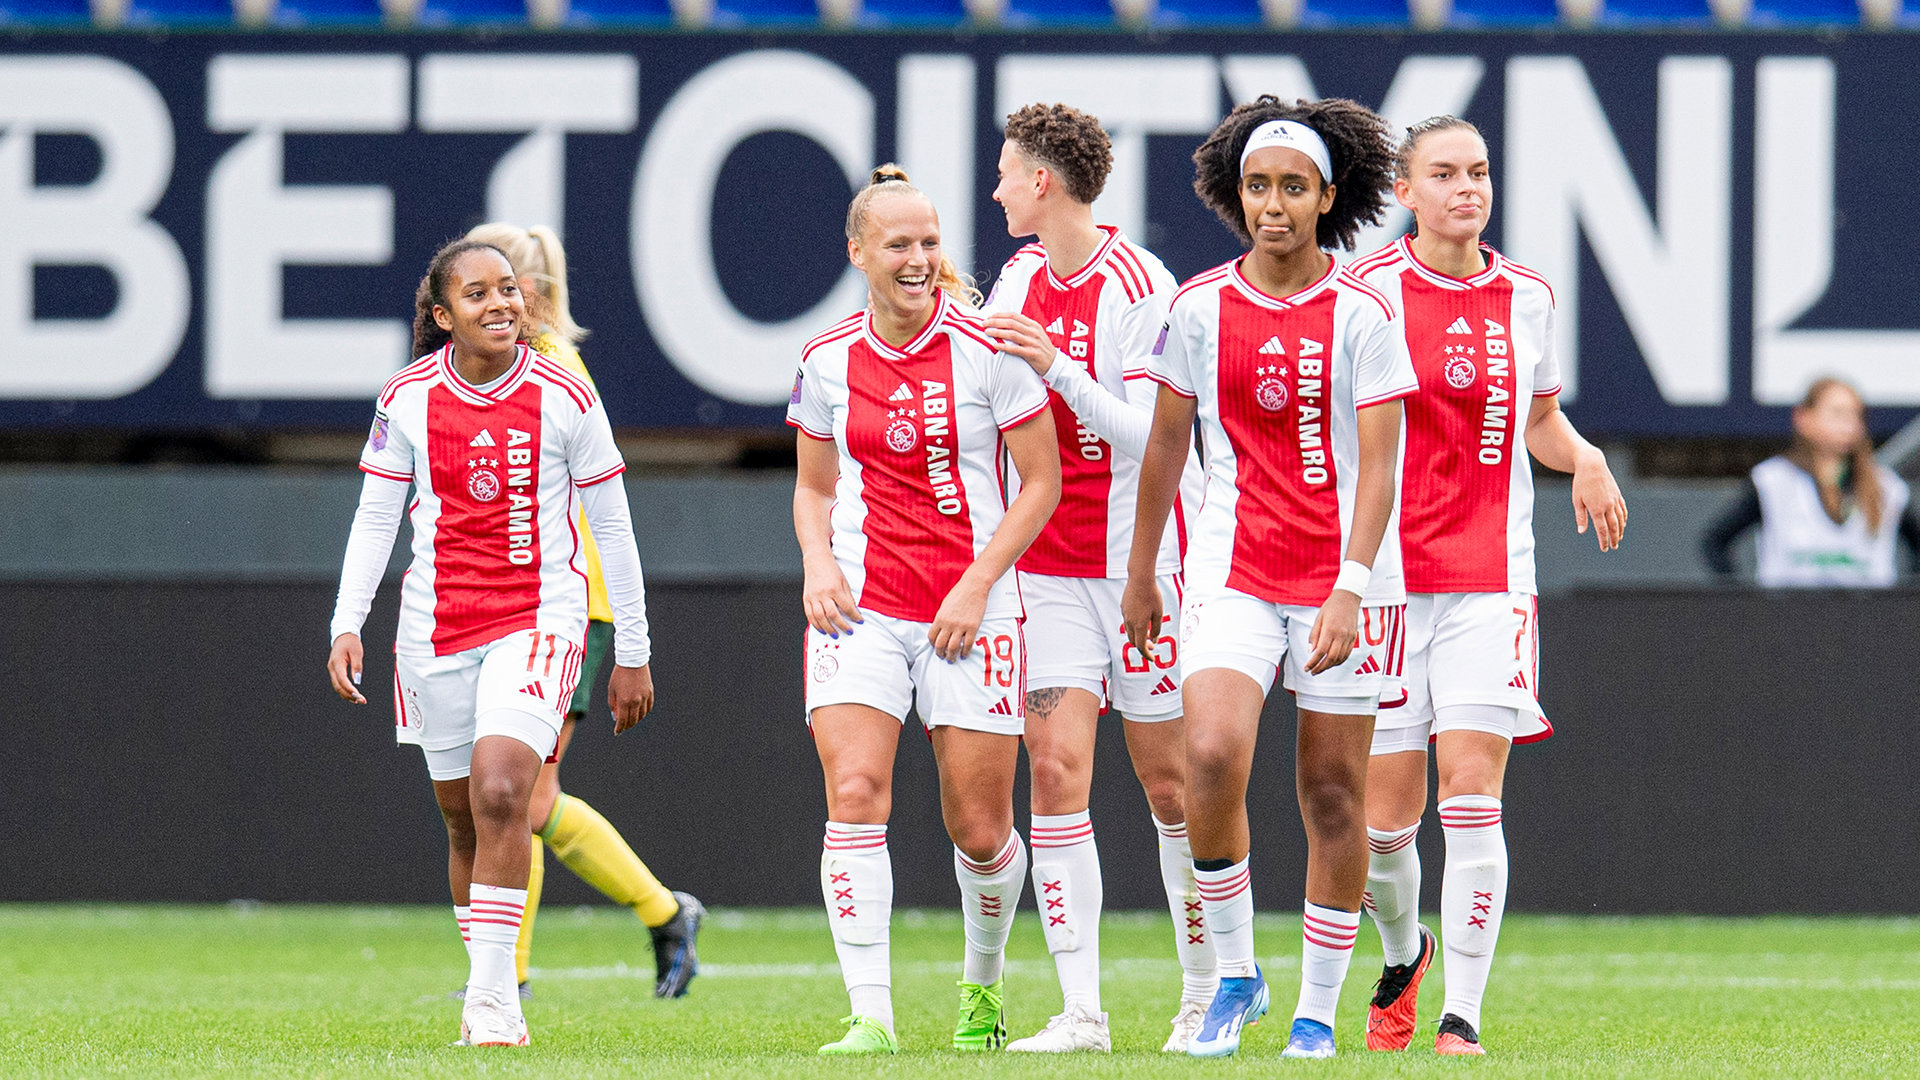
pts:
[555, 281]
[893, 178]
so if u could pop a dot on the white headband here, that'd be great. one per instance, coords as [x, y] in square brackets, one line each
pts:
[1294, 136]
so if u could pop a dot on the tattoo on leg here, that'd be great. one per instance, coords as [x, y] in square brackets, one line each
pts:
[1041, 703]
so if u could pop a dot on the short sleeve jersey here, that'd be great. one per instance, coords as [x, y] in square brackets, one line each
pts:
[496, 547]
[1483, 350]
[918, 429]
[1279, 383]
[1106, 317]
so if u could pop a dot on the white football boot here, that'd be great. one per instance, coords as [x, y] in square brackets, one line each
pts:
[486, 1022]
[1185, 1023]
[1073, 1030]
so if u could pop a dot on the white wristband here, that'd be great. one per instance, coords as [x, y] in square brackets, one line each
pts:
[1354, 577]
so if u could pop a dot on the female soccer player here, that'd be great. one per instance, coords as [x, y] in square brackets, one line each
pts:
[1294, 370]
[1825, 508]
[903, 410]
[1083, 308]
[1479, 328]
[501, 445]
[585, 841]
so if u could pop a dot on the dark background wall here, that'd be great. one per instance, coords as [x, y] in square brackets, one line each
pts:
[1718, 752]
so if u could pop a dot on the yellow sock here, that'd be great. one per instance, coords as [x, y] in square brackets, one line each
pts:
[591, 847]
[536, 876]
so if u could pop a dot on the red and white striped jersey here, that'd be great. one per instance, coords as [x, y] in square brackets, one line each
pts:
[1105, 320]
[1279, 383]
[1483, 350]
[918, 430]
[495, 547]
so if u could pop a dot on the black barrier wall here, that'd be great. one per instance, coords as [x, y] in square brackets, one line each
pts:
[1724, 753]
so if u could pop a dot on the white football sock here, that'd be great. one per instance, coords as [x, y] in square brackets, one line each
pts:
[989, 892]
[1473, 896]
[856, 881]
[1226, 900]
[1393, 891]
[1199, 975]
[1326, 950]
[493, 927]
[462, 915]
[1068, 891]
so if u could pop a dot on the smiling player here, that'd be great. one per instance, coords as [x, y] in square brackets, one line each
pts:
[498, 442]
[909, 546]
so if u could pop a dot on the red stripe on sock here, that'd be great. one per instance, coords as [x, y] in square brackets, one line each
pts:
[1388, 847]
[1000, 862]
[1336, 946]
[1224, 890]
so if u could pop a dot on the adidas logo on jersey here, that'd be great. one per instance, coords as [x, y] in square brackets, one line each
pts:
[1273, 347]
[1519, 682]
[1459, 326]
[1167, 686]
[1058, 325]
[485, 438]
[534, 689]
[904, 393]
[1002, 708]
[1371, 666]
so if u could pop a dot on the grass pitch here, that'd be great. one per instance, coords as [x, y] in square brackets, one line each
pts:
[350, 992]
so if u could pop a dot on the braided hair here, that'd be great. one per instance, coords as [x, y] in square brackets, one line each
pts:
[1357, 142]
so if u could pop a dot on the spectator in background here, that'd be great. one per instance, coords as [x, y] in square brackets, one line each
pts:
[1829, 514]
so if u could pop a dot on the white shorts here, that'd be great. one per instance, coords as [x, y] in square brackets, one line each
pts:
[517, 686]
[1078, 640]
[1470, 657]
[888, 664]
[1243, 633]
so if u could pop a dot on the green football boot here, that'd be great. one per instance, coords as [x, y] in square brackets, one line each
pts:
[982, 1024]
[864, 1036]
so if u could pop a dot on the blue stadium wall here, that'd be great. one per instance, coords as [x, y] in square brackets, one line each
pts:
[1717, 752]
[223, 230]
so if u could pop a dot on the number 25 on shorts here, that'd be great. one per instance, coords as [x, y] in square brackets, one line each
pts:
[1166, 652]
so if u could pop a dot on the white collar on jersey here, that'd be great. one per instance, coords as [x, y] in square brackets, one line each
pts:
[1253, 293]
[919, 340]
[1079, 277]
[1448, 281]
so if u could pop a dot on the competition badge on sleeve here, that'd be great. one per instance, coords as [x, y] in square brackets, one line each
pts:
[377, 438]
[799, 379]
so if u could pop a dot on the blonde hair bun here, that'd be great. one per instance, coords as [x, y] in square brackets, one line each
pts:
[888, 174]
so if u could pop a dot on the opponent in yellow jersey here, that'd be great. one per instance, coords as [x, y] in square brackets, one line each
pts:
[585, 841]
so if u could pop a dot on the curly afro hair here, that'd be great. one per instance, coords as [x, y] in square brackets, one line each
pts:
[1071, 144]
[1357, 142]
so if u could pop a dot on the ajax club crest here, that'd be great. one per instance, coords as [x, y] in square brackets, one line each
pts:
[825, 665]
[1459, 369]
[902, 435]
[482, 482]
[1270, 387]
